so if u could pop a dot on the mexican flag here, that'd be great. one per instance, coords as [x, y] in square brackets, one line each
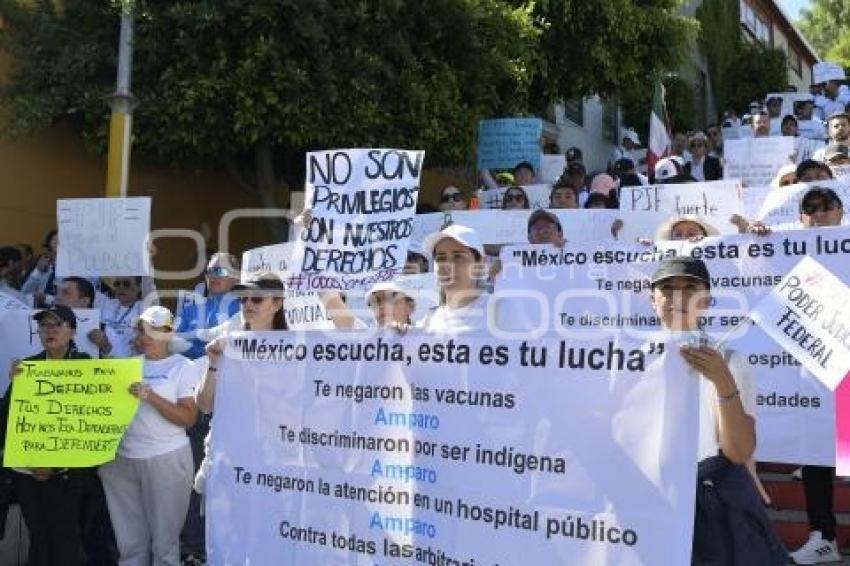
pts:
[659, 130]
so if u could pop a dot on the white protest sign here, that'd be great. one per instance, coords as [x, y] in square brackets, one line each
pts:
[587, 288]
[103, 237]
[756, 161]
[538, 196]
[362, 203]
[645, 209]
[511, 226]
[352, 450]
[552, 167]
[20, 336]
[303, 309]
[504, 143]
[808, 314]
[780, 207]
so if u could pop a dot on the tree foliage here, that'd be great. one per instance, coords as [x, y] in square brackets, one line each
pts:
[741, 70]
[252, 85]
[826, 24]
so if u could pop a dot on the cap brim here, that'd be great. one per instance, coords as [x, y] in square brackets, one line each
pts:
[654, 282]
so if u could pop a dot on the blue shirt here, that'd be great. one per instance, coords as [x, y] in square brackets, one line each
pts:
[200, 313]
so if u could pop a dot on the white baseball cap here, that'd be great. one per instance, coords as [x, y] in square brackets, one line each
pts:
[667, 168]
[631, 135]
[665, 231]
[828, 71]
[461, 234]
[158, 317]
[383, 286]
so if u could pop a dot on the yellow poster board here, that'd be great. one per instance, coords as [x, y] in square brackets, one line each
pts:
[69, 413]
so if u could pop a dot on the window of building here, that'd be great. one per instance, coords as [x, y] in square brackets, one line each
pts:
[755, 23]
[795, 61]
[574, 110]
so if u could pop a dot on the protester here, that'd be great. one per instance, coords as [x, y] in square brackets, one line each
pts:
[715, 141]
[761, 124]
[49, 497]
[391, 306]
[545, 228]
[679, 146]
[115, 337]
[416, 262]
[809, 171]
[627, 175]
[575, 175]
[704, 167]
[515, 198]
[681, 290]
[838, 130]
[773, 105]
[214, 307]
[819, 207]
[451, 199]
[573, 155]
[41, 283]
[598, 201]
[524, 173]
[630, 142]
[10, 260]
[563, 195]
[831, 99]
[76, 293]
[789, 126]
[685, 228]
[807, 124]
[458, 255]
[261, 300]
[148, 483]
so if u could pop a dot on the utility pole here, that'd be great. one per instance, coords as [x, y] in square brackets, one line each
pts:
[122, 102]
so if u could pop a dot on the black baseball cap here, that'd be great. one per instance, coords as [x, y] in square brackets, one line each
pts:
[682, 267]
[267, 283]
[822, 193]
[573, 154]
[61, 312]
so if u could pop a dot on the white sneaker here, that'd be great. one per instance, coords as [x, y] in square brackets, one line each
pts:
[816, 550]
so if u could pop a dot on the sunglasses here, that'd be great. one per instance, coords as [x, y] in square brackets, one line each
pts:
[254, 300]
[449, 197]
[118, 283]
[217, 272]
[514, 196]
[823, 207]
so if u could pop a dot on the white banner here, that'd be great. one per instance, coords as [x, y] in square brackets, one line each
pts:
[103, 237]
[808, 315]
[608, 289]
[756, 161]
[362, 203]
[340, 450]
[552, 167]
[511, 226]
[20, 337]
[780, 207]
[645, 209]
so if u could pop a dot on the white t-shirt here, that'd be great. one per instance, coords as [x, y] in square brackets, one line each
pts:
[709, 411]
[150, 434]
[118, 326]
[445, 320]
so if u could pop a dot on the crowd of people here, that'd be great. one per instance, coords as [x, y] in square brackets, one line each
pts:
[145, 506]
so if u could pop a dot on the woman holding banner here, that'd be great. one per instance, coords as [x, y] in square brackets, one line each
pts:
[261, 301]
[731, 525]
[149, 482]
[458, 254]
[49, 497]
